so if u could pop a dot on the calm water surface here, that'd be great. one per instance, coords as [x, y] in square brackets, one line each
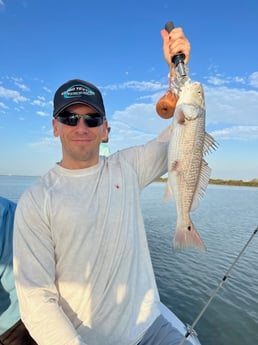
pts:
[225, 219]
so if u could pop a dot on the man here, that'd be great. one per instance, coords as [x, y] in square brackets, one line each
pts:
[81, 258]
[12, 330]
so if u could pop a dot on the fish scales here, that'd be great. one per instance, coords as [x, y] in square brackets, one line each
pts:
[188, 172]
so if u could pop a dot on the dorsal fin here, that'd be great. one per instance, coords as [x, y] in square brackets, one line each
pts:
[209, 144]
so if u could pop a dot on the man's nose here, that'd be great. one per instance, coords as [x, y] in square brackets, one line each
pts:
[81, 123]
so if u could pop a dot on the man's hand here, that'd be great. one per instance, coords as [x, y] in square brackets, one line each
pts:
[175, 42]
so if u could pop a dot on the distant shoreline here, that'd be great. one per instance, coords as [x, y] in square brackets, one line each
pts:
[251, 183]
[241, 183]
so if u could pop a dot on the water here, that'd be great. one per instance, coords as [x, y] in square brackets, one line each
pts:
[11, 187]
[225, 219]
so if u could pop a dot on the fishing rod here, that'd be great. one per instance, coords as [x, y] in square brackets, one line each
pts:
[190, 329]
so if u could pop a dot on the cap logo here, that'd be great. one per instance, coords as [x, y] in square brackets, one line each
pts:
[77, 90]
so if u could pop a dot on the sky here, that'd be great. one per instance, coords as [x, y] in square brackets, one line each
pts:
[117, 46]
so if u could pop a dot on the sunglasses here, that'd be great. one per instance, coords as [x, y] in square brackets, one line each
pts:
[72, 119]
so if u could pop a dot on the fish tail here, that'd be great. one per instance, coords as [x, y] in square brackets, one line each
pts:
[186, 236]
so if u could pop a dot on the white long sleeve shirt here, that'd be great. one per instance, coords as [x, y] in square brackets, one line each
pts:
[81, 259]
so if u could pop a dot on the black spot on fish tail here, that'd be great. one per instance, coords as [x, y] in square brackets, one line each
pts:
[189, 228]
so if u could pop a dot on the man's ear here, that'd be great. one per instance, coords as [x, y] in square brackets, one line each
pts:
[105, 132]
[55, 128]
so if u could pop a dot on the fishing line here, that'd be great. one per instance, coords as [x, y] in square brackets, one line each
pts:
[190, 329]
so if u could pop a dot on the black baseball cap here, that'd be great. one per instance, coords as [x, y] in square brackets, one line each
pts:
[78, 91]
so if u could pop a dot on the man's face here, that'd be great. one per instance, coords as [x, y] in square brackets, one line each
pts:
[80, 143]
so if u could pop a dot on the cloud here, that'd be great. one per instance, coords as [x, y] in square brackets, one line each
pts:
[231, 112]
[42, 98]
[15, 96]
[46, 89]
[2, 5]
[142, 117]
[237, 133]
[135, 125]
[38, 102]
[46, 142]
[232, 109]
[16, 80]
[216, 80]
[3, 106]
[23, 87]
[137, 86]
[42, 113]
[231, 105]
[41, 102]
[220, 79]
[253, 79]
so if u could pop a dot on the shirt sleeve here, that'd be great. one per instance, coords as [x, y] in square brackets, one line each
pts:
[150, 160]
[35, 278]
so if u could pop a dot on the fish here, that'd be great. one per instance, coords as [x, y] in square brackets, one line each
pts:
[188, 172]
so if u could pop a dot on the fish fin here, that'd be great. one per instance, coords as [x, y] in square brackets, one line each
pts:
[165, 135]
[168, 195]
[168, 189]
[195, 202]
[187, 238]
[209, 144]
[203, 182]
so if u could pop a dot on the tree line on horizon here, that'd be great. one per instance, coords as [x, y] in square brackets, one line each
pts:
[251, 183]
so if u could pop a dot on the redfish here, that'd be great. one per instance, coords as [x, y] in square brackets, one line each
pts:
[188, 172]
